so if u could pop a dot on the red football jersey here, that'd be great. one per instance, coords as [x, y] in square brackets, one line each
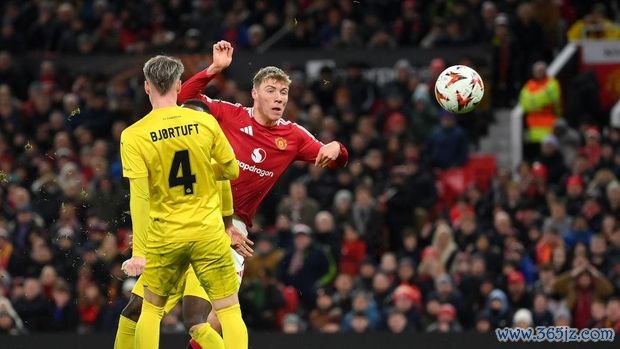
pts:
[263, 152]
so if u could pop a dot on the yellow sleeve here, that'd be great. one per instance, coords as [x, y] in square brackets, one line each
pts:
[132, 161]
[139, 206]
[223, 154]
[226, 198]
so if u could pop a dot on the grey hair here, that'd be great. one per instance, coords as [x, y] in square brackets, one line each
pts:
[162, 72]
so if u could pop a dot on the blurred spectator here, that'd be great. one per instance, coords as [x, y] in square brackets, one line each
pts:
[497, 309]
[363, 316]
[398, 323]
[33, 308]
[569, 141]
[297, 206]
[613, 314]
[261, 299]
[304, 265]
[325, 311]
[597, 314]
[594, 26]
[530, 40]
[326, 234]
[614, 117]
[541, 316]
[505, 52]
[292, 324]
[552, 158]
[266, 258]
[562, 317]
[353, 252]
[540, 99]
[64, 312]
[343, 288]
[522, 318]
[447, 146]
[483, 325]
[580, 287]
[518, 295]
[444, 245]
[6, 248]
[10, 322]
[446, 321]
[408, 302]
[366, 218]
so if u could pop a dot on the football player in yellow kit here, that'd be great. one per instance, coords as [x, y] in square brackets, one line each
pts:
[196, 304]
[175, 209]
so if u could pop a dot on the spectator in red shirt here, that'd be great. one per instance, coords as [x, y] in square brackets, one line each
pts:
[353, 251]
[592, 148]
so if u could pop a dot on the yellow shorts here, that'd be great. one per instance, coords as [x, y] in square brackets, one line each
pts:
[168, 262]
[188, 286]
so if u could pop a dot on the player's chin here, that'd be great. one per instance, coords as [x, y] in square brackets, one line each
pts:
[275, 115]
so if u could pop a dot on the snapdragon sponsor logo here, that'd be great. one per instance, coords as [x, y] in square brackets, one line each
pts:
[554, 334]
[254, 169]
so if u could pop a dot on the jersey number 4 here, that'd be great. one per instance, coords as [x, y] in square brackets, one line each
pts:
[187, 179]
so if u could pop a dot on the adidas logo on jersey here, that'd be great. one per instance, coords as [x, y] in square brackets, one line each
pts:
[247, 130]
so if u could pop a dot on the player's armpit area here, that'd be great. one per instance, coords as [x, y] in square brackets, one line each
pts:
[139, 207]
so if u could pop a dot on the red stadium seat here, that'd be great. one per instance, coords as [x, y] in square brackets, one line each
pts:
[451, 183]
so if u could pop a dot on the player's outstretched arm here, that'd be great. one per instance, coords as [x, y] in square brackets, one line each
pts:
[331, 155]
[193, 87]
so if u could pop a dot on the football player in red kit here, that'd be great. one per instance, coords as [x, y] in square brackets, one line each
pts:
[264, 143]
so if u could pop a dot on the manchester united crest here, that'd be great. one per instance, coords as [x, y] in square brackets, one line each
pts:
[281, 143]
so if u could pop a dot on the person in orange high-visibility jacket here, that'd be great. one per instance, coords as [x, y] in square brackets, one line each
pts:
[540, 99]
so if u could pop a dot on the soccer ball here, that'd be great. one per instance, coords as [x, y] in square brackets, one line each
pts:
[459, 89]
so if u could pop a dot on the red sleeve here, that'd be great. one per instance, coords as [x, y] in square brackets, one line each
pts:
[192, 89]
[309, 149]
[343, 158]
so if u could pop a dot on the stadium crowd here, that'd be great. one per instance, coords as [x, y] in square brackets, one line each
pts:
[371, 247]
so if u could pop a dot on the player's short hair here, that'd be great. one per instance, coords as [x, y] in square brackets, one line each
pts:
[268, 73]
[196, 104]
[162, 72]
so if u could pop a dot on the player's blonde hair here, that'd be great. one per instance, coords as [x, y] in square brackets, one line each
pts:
[162, 72]
[268, 73]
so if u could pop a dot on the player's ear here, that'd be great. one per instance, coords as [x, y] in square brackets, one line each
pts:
[147, 87]
[254, 93]
[178, 86]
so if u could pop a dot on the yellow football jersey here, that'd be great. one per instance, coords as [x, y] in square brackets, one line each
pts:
[174, 147]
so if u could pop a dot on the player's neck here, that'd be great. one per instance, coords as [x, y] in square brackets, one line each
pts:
[263, 120]
[165, 101]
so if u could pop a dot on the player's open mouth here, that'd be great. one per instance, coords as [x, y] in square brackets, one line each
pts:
[276, 109]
